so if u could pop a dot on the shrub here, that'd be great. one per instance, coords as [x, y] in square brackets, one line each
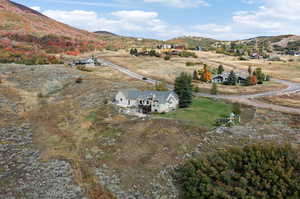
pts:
[236, 109]
[187, 54]
[255, 171]
[78, 80]
[167, 57]
[196, 89]
[275, 58]
[243, 58]
[161, 86]
[190, 64]
[214, 89]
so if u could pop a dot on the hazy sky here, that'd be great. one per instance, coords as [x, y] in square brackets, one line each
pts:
[164, 19]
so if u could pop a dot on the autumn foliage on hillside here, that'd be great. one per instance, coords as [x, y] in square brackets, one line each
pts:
[27, 36]
[257, 171]
[31, 49]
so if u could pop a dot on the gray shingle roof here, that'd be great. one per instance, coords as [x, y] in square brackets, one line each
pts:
[161, 96]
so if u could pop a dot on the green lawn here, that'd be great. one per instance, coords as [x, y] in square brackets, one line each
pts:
[203, 111]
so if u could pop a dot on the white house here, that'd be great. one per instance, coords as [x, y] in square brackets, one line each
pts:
[147, 101]
[90, 62]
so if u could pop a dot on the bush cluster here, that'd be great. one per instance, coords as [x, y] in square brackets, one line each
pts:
[256, 171]
[187, 54]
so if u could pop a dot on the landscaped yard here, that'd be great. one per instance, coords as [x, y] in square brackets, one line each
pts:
[203, 111]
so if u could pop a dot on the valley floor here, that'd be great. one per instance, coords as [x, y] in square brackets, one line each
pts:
[62, 139]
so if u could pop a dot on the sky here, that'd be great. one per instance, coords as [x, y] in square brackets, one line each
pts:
[166, 19]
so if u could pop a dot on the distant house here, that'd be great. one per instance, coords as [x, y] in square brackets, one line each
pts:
[221, 78]
[179, 47]
[293, 53]
[84, 62]
[199, 48]
[164, 46]
[255, 56]
[147, 101]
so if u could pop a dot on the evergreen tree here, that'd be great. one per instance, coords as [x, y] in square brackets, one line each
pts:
[152, 53]
[195, 75]
[250, 70]
[214, 89]
[254, 171]
[260, 75]
[133, 51]
[183, 88]
[220, 69]
[232, 79]
[236, 109]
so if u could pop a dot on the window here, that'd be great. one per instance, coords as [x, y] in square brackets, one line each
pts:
[128, 102]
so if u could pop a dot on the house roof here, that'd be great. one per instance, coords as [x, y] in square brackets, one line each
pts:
[161, 96]
[225, 75]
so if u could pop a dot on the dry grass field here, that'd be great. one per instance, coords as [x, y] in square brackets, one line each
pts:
[292, 100]
[114, 155]
[285, 69]
[158, 68]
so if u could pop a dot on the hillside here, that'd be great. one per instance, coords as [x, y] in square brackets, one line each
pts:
[27, 36]
[114, 41]
[268, 43]
[193, 42]
[105, 33]
[19, 19]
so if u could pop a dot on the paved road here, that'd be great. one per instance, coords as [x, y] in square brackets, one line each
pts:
[248, 99]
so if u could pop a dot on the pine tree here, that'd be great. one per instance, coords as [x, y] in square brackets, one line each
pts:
[250, 70]
[195, 75]
[214, 89]
[260, 75]
[220, 69]
[183, 88]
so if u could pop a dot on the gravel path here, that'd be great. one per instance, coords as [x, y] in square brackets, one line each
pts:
[292, 87]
